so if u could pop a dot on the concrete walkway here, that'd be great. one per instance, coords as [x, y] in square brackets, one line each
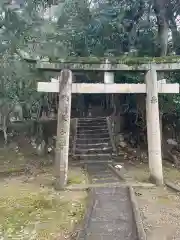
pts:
[110, 216]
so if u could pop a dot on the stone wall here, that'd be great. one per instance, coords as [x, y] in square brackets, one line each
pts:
[117, 126]
[72, 134]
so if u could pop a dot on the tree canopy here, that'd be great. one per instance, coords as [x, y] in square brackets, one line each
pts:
[53, 29]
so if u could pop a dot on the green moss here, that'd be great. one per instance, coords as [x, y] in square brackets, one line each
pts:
[32, 209]
[171, 173]
[39, 215]
[91, 63]
[77, 177]
[76, 180]
[120, 60]
[164, 199]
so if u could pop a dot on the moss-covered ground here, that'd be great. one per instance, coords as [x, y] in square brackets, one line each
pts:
[30, 208]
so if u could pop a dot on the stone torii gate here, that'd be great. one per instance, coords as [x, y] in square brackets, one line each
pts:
[151, 87]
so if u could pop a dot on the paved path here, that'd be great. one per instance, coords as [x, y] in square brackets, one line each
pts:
[111, 215]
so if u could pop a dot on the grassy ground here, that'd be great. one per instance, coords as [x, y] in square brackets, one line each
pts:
[11, 160]
[140, 172]
[30, 208]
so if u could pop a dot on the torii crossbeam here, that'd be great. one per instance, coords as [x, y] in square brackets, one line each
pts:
[107, 88]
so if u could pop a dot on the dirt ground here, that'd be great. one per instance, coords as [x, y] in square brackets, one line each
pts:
[159, 206]
[30, 208]
[160, 212]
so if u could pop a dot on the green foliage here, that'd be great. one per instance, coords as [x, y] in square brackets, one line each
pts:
[80, 28]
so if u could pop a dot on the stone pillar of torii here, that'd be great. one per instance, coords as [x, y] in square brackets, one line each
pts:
[151, 87]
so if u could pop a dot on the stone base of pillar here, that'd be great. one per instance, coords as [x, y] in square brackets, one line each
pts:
[154, 180]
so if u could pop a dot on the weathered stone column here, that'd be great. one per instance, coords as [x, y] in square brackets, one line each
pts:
[63, 129]
[108, 79]
[108, 76]
[153, 128]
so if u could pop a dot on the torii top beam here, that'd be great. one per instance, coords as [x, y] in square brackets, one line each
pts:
[170, 63]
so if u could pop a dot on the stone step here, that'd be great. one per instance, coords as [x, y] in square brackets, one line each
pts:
[87, 119]
[94, 157]
[91, 127]
[93, 151]
[95, 161]
[92, 145]
[92, 122]
[92, 135]
[80, 140]
[92, 131]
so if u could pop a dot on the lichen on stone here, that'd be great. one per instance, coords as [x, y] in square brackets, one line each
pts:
[124, 63]
[120, 60]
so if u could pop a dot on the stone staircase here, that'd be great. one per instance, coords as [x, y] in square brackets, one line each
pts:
[93, 142]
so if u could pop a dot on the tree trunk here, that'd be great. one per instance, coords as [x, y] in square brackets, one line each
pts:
[63, 129]
[175, 36]
[160, 11]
